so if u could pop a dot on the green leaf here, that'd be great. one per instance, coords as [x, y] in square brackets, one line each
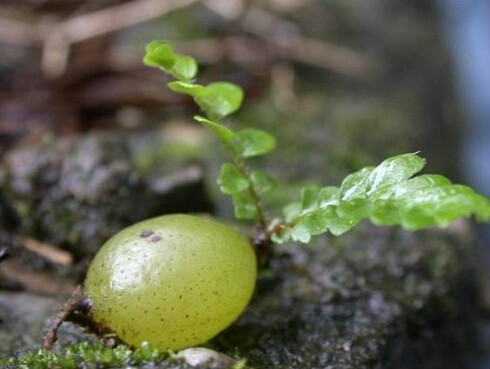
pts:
[387, 195]
[407, 187]
[292, 211]
[217, 99]
[309, 197]
[160, 54]
[224, 133]
[184, 68]
[253, 142]
[262, 182]
[220, 99]
[186, 88]
[312, 224]
[328, 196]
[354, 210]
[337, 224]
[244, 206]
[439, 205]
[395, 170]
[300, 233]
[391, 171]
[312, 215]
[355, 184]
[231, 181]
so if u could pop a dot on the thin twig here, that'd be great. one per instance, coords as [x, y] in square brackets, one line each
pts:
[47, 251]
[115, 18]
[34, 281]
[87, 26]
[290, 45]
[286, 38]
[58, 38]
[250, 50]
[295, 46]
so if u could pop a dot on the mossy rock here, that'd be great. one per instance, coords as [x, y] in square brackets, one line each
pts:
[367, 300]
[76, 193]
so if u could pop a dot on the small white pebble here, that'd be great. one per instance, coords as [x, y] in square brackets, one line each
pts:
[203, 356]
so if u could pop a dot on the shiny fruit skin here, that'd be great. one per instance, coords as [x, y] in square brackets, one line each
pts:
[174, 281]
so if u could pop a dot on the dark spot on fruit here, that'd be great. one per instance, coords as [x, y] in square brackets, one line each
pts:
[146, 233]
[156, 239]
[85, 304]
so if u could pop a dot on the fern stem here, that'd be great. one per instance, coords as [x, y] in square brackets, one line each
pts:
[245, 171]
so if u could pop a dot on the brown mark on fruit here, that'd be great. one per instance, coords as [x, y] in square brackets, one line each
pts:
[146, 233]
[84, 305]
[156, 239]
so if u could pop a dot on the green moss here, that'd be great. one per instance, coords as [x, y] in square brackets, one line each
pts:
[241, 364]
[87, 353]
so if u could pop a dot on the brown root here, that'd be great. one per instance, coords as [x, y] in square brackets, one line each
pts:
[262, 244]
[69, 307]
[77, 309]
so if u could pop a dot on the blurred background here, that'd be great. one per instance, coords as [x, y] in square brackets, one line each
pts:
[91, 140]
[342, 85]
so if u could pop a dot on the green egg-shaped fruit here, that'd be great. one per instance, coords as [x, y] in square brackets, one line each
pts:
[174, 281]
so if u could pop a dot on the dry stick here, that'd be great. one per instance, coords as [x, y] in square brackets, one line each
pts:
[87, 26]
[47, 251]
[302, 49]
[68, 308]
[248, 50]
[294, 46]
[35, 281]
[57, 39]
[112, 19]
